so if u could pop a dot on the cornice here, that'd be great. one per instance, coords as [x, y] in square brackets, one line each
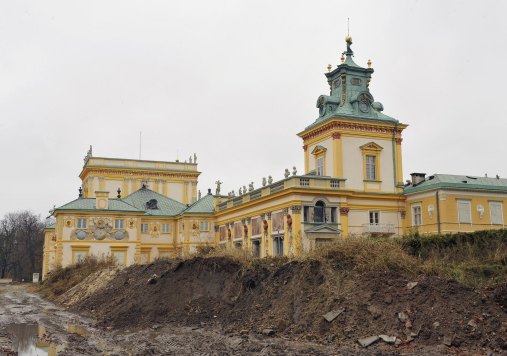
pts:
[350, 125]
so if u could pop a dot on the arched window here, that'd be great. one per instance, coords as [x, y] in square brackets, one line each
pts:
[319, 212]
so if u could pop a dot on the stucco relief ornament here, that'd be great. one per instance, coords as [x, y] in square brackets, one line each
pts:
[295, 171]
[264, 181]
[265, 226]
[145, 182]
[251, 187]
[287, 173]
[270, 180]
[480, 210]
[218, 186]
[431, 210]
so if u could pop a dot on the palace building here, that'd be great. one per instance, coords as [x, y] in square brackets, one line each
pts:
[137, 210]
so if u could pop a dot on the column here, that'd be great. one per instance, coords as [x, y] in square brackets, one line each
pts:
[337, 155]
[249, 236]
[403, 214]
[344, 218]
[164, 186]
[399, 165]
[217, 234]
[263, 237]
[297, 238]
[268, 237]
[101, 183]
[287, 241]
[307, 157]
[185, 192]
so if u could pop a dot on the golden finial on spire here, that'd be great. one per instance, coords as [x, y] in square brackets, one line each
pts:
[343, 58]
[369, 63]
[329, 68]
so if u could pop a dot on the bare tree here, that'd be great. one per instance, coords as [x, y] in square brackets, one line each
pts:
[8, 231]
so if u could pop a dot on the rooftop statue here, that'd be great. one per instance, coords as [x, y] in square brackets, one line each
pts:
[218, 186]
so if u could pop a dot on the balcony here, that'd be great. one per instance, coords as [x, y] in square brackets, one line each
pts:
[297, 182]
[378, 228]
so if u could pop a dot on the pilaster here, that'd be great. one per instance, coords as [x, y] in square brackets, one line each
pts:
[344, 218]
[297, 238]
[337, 155]
[269, 240]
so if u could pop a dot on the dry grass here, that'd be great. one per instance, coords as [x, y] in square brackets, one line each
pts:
[363, 254]
[62, 279]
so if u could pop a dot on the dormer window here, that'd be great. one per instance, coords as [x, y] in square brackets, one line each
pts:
[152, 204]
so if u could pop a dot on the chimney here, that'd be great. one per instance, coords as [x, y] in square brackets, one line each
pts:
[417, 178]
[101, 199]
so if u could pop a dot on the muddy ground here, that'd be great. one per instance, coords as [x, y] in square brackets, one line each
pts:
[68, 333]
[214, 306]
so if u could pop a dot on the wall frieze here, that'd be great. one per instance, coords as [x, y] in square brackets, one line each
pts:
[348, 126]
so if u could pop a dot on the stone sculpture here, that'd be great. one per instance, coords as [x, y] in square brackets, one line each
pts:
[239, 191]
[287, 173]
[218, 186]
[263, 181]
[199, 196]
[195, 158]
[295, 171]
[190, 159]
[270, 180]
[244, 189]
[251, 187]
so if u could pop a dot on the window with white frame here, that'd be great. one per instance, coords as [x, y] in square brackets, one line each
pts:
[144, 228]
[204, 226]
[464, 212]
[416, 215]
[320, 166]
[166, 228]
[496, 210]
[374, 217]
[119, 224]
[81, 223]
[370, 168]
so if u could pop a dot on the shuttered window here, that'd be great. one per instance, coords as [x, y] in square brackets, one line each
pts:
[496, 213]
[464, 212]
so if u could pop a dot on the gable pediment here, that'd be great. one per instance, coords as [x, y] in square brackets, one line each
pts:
[318, 150]
[324, 229]
[371, 146]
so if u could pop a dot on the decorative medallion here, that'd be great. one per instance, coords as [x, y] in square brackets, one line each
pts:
[81, 235]
[131, 224]
[194, 226]
[118, 235]
[69, 223]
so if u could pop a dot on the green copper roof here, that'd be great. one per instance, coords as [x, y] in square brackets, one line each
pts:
[358, 103]
[166, 206]
[49, 227]
[458, 181]
[206, 205]
[89, 204]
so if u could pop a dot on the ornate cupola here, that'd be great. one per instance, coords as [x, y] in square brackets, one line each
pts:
[350, 95]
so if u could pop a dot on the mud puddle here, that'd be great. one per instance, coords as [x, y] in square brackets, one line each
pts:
[31, 340]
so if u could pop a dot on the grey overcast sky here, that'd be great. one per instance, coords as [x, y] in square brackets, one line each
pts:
[234, 82]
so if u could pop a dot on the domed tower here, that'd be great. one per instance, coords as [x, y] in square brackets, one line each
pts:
[352, 138]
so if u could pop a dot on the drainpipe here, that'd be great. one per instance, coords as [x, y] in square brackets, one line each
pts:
[394, 156]
[438, 214]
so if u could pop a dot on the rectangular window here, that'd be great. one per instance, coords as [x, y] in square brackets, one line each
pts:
[204, 226]
[320, 166]
[119, 224]
[79, 256]
[81, 223]
[496, 213]
[464, 212]
[370, 168]
[417, 216]
[119, 258]
[144, 228]
[166, 228]
[374, 217]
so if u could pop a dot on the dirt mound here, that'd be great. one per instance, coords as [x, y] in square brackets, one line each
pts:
[291, 299]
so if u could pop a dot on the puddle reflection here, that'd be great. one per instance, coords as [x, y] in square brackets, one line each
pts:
[27, 340]
[76, 329]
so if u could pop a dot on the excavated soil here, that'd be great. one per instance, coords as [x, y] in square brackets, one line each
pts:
[291, 299]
